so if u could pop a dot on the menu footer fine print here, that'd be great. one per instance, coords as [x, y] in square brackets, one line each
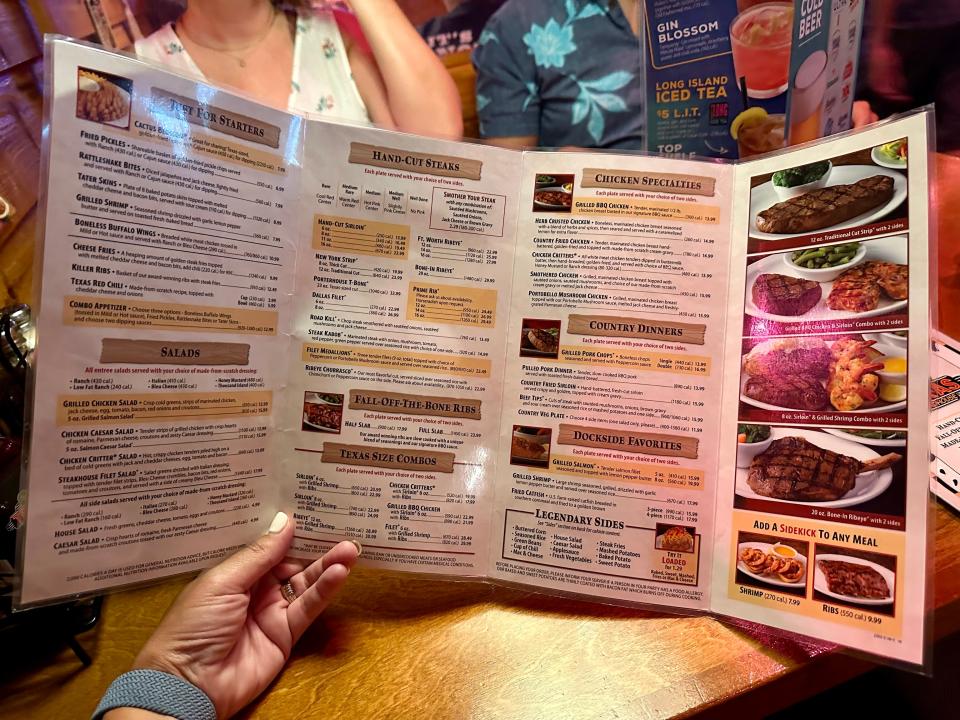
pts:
[688, 384]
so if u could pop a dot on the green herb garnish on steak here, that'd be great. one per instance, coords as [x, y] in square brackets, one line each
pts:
[800, 175]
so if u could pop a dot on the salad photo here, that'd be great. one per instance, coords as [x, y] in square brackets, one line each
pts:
[891, 155]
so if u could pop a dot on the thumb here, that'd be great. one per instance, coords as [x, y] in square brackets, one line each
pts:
[241, 570]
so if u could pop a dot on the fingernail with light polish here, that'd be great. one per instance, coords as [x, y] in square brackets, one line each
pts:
[279, 523]
[358, 546]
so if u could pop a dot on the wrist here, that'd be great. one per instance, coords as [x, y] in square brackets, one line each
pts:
[147, 660]
[134, 714]
[148, 694]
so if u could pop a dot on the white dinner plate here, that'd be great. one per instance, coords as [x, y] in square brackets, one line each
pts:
[879, 159]
[882, 407]
[764, 196]
[868, 485]
[866, 441]
[121, 122]
[532, 351]
[899, 342]
[820, 580]
[767, 547]
[889, 249]
[550, 206]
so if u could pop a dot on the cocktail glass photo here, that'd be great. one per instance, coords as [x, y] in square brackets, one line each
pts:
[760, 39]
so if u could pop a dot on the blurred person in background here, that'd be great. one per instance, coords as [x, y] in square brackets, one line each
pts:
[909, 60]
[568, 73]
[459, 29]
[561, 73]
[368, 66]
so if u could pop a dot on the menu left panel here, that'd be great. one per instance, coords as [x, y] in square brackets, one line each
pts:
[168, 263]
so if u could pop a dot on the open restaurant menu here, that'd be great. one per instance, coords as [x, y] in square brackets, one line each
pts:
[641, 379]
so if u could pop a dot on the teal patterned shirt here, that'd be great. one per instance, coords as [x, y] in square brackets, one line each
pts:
[567, 71]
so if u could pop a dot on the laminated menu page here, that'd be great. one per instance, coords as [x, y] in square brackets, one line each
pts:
[646, 380]
[945, 419]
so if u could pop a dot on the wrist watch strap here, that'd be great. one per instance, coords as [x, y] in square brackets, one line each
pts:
[157, 692]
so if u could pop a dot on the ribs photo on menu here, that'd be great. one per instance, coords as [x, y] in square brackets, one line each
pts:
[855, 579]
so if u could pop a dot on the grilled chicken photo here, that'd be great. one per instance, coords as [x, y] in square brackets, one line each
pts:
[858, 289]
[826, 207]
[793, 468]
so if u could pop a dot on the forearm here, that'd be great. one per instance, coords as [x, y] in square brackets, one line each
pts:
[420, 92]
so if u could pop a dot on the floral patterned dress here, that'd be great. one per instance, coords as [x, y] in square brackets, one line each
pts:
[321, 82]
[566, 71]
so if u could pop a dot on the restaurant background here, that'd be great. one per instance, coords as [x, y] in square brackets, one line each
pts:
[20, 104]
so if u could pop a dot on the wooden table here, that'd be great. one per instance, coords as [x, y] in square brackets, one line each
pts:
[398, 646]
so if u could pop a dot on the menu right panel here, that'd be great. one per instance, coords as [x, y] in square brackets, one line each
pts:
[824, 440]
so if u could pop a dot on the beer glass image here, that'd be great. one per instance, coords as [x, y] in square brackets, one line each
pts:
[806, 99]
[760, 40]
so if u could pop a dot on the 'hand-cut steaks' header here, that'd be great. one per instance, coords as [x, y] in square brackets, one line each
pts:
[214, 118]
[650, 181]
[642, 329]
[424, 163]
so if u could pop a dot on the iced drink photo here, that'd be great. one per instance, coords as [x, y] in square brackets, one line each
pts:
[760, 40]
[756, 132]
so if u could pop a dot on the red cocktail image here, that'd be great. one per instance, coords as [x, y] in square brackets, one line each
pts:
[760, 39]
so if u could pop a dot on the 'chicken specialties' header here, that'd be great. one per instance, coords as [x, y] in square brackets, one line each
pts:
[649, 181]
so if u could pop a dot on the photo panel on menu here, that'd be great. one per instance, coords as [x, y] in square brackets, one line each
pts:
[823, 414]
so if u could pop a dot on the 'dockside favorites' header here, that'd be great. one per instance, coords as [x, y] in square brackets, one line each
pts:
[653, 182]
[425, 163]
